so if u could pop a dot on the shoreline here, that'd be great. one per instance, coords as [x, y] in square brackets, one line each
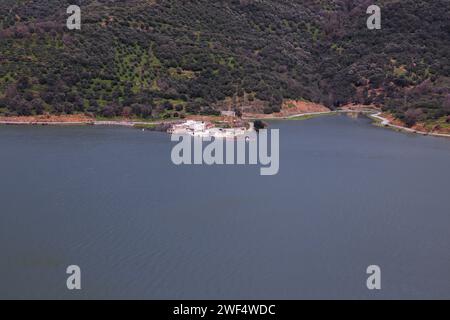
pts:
[383, 122]
[130, 123]
[374, 115]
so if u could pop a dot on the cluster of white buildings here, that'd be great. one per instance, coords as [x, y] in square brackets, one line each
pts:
[205, 129]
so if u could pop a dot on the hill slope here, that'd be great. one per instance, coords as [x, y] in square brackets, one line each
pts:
[164, 58]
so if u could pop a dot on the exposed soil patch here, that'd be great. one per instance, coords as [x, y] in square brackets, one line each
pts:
[290, 108]
[47, 118]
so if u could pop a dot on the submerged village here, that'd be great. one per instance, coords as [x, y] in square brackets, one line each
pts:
[226, 126]
[208, 129]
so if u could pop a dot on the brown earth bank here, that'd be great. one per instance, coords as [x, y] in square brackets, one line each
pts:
[359, 108]
[208, 118]
[290, 108]
[86, 119]
[48, 118]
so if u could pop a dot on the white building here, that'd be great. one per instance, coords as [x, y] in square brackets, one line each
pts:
[203, 129]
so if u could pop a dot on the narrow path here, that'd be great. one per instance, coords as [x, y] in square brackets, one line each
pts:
[387, 123]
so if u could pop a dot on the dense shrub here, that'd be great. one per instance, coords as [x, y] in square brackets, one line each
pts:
[154, 58]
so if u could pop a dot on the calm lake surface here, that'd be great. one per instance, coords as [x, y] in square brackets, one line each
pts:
[348, 195]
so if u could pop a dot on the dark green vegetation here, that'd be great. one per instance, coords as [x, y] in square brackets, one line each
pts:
[258, 125]
[170, 57]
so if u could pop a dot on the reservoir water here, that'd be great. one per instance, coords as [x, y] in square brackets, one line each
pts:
[348, 195]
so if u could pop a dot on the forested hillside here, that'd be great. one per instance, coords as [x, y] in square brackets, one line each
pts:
[165, 58]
